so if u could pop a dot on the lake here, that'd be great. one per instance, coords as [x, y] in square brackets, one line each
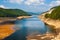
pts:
[28, 26]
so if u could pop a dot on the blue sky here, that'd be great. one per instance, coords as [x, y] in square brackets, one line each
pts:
[30, 5]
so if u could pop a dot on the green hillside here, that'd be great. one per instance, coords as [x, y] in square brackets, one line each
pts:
[55, 14]
[12, 12]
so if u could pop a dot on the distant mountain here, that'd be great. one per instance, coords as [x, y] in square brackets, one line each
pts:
[12, 12]
[32, 13]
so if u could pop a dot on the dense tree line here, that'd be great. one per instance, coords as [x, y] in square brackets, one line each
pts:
[55, 14]
[12, 12]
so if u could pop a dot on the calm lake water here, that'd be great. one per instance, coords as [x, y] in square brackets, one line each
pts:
[28, 26]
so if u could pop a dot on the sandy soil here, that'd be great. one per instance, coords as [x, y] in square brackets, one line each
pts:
[6, 30]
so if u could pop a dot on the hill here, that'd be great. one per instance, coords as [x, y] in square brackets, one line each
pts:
[52, 19]
[55, 14]
[12, 13]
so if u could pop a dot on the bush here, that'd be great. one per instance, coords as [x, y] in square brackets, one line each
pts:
[46, 15]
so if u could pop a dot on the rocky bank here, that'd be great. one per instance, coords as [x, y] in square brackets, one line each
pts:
[54, 23]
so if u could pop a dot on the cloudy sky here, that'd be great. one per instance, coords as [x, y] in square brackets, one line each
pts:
[30, 5]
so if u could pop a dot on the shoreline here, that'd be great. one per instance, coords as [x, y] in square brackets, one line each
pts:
[5, 20]
[49, 21]
[53, 24]
[7, 26]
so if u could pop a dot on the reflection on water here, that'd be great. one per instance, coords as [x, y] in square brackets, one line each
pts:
[28, 26]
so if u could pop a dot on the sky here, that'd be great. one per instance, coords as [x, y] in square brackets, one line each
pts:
[29, 5]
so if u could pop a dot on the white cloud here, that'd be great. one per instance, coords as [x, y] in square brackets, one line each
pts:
[16, 1]
[34, 2]
[27, 2]
[55, 3]
[2, 6]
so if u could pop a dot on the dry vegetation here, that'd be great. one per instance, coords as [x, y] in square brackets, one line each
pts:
[6, 30]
